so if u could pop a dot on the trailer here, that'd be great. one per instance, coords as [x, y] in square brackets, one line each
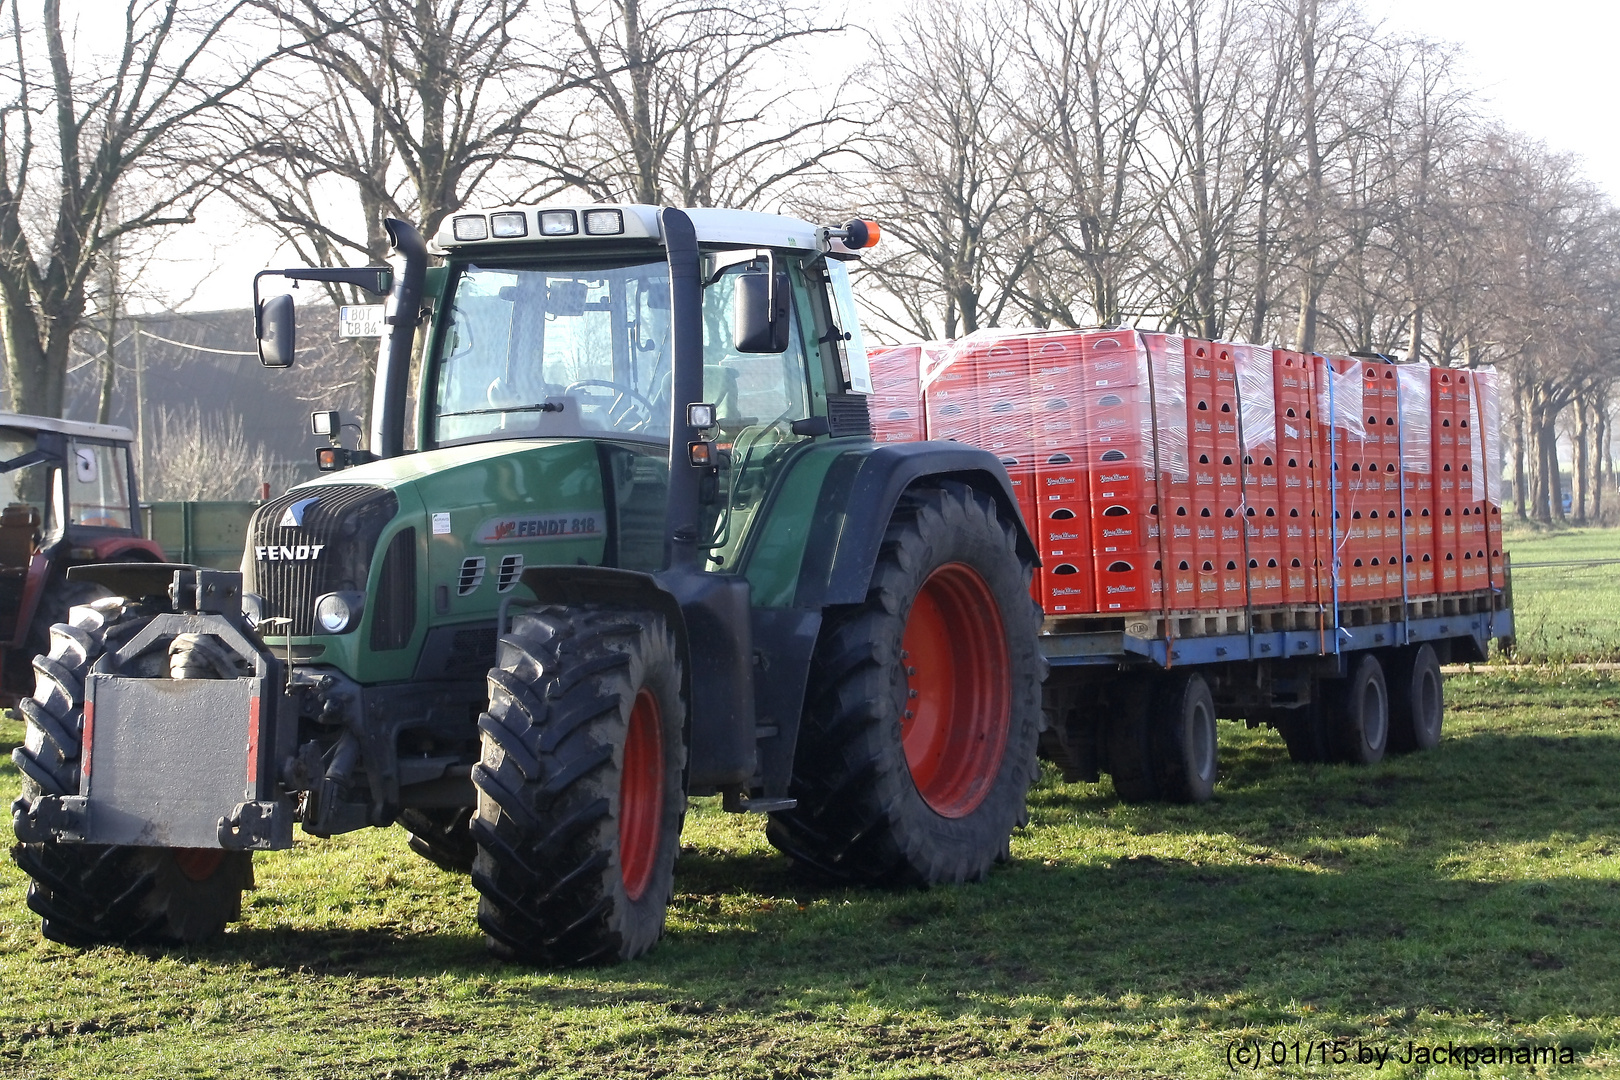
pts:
[1229, 531]
[1138, 697]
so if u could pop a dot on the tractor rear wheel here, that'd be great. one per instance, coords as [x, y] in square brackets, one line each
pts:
[918, 740]
[89, 894]
[580, 792]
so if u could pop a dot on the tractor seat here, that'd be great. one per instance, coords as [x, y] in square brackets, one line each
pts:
[19, 523]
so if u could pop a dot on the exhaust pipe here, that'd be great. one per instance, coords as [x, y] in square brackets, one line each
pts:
[403, 315]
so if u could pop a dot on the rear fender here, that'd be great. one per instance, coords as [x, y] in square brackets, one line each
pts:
[105, 549]
[859, 497]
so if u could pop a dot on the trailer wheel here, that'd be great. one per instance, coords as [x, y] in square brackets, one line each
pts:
[89, 894]
[1359, 726]
[1127, 714]
[1417, 699]
[442, 837]
[1184, 739]
[917, 746]
[580, 793]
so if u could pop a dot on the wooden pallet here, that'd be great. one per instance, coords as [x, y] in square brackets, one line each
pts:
[1272, 619]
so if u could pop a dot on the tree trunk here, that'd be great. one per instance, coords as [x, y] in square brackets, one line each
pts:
[1578, 503]
[1549, 464]
[1521, 475]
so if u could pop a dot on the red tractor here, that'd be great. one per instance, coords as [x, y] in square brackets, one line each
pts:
[67, 497]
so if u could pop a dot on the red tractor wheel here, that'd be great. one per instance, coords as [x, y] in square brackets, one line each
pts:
[918, 740]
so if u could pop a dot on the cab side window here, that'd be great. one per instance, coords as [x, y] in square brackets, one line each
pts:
[98, 486]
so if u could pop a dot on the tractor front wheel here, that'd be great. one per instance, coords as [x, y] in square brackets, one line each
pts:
[89, 894]
[580, 791]
[918, 740]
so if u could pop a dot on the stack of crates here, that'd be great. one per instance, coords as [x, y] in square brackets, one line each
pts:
[1261, 481]
[1294, 389]
[896, 402]
[1161, 473]
[1061, 521]
[1417, 480]
[1117, 404]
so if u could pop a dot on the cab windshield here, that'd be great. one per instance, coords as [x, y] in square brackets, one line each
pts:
[556, 352]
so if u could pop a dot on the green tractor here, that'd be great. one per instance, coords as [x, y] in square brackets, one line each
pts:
[645, 549]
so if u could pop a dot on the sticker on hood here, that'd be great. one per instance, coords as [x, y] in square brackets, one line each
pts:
[517, 528]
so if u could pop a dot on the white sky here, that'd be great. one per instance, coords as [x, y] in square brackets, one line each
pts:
[1546, 68]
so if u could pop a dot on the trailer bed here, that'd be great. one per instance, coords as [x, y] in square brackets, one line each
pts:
[1209, 637]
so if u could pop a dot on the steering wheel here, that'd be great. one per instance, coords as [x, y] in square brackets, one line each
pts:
[626, 402]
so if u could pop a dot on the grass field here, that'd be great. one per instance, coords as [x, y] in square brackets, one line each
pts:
[1469, 895]
[1565, 613]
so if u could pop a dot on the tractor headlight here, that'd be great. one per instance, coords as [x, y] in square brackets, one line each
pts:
[558, 223]
[339, 612]
[253, 608]
[471, 227]
[604, 222]
[509, 225]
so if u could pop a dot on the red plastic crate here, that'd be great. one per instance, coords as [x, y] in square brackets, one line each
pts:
[1124, 527]
[1067, 587]
[1059, 479]
[1129, 583]
[1446, 573]
[1113, 358]
[1063, 532]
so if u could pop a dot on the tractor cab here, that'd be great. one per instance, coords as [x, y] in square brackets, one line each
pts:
[67, 496]
[559, 323]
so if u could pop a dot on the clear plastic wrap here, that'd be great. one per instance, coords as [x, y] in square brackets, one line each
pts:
[1417, 455]
[1257, 396]
[1168, 364]
[895, 403]
[1339, 396]
[1489, 435]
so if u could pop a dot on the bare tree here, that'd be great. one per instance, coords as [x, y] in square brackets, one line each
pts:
[131, 117]
[197, 459]
[1092, 69]
[396, 108]
[945, 173]
[695, 102]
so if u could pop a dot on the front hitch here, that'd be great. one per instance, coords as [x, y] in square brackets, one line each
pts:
[180, 762]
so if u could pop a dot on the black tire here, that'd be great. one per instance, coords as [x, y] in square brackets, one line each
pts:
[60, 597]
[1126, 712]
[1417, 699]
[864, 813]
[1305, 729]
[560, 785]
[89, 894]
[442, 837]
[1358, 727]
[1185, 743]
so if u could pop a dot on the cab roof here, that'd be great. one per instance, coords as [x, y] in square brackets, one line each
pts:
[542, 224]
[110, 432]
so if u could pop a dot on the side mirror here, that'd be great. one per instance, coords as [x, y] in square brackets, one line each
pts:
[760, 312]
[277, 331]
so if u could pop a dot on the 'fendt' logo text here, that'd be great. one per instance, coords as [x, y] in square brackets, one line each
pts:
[288, 552]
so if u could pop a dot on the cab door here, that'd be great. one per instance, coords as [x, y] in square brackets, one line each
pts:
[759, 396]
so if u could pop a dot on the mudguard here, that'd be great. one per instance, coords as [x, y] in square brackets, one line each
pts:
[860, 494]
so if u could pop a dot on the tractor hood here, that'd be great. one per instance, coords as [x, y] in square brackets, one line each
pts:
[435, 542]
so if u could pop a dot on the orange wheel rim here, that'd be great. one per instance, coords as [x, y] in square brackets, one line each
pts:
[641, 795]
[958, 690]
[197, 863]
